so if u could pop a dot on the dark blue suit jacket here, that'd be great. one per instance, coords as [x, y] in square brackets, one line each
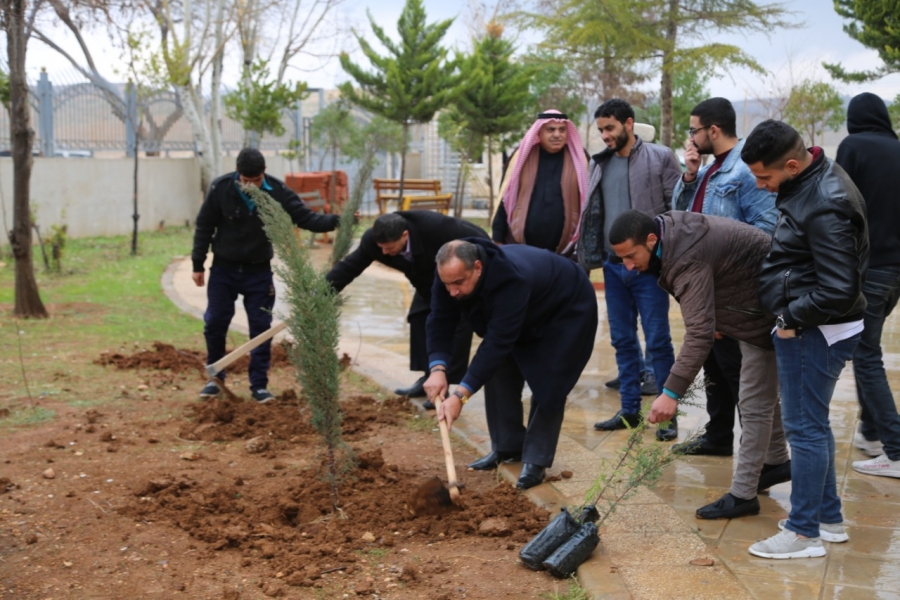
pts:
[531, 303]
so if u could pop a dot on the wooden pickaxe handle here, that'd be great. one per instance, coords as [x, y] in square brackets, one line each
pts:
[213, 369]
[452, 485]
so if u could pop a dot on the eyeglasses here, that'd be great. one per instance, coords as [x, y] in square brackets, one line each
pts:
[693, 130]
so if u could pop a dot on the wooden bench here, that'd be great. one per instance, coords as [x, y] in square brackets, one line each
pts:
[430, 198]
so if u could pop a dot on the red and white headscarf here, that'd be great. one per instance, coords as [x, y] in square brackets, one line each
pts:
[526, 163]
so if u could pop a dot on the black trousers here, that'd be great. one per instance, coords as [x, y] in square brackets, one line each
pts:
[505, 412]
[723, 369]
[418, 352]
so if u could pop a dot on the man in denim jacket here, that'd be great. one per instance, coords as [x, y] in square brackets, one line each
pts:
[723, 188]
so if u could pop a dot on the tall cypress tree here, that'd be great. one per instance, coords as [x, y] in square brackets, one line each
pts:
[411, 82]
[494, 93]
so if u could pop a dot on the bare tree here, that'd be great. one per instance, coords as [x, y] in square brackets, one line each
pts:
[192, 45]
[17, 19]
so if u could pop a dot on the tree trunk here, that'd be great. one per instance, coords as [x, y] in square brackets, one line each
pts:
[135, 216]
[28, 302]
[666, 126]
[490, 161]
[403, 162]
[193, 112]
[332, 186]
[215, 105]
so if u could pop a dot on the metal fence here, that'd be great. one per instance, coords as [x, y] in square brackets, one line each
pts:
[74, 117]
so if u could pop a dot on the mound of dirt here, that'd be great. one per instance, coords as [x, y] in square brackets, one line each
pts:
[167, 357]
[288, 519]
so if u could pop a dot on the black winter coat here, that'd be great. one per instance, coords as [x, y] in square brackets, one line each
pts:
[531, 303]
[237, 236]
[871, 157]
[814, 272]
[428, 231]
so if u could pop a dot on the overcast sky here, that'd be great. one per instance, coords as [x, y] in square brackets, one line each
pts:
[791, 54]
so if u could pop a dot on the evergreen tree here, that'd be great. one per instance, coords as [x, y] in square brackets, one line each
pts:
[334, 131]
[411, 82]
[873, 23]
[493, 96]
[669, 33]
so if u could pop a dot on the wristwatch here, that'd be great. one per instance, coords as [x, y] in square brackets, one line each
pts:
[779, 322]
[462, 397]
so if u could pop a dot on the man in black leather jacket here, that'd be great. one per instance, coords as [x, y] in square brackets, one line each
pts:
[812, 280]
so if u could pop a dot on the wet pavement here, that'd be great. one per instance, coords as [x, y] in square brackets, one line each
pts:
[647, 545]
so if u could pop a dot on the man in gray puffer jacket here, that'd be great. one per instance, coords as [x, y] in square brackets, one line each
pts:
[711, 266]
[629, 174]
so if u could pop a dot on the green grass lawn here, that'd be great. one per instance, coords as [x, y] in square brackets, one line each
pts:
[115, 296]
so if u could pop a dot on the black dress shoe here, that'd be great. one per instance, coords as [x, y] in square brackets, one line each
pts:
[428, 405]
[702, 447]
[667, 434]
[618, 421]
[530, 476]
[493, 460]
[613, 384]
[729, 507]
[773, 475]
[416, 390]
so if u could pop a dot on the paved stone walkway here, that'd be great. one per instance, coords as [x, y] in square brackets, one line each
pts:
[647, 545]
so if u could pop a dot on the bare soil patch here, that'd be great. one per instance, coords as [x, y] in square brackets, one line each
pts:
[158, 495]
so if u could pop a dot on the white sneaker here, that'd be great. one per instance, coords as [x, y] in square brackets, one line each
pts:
[787, 544]
[868, 448]
[878, 466]
[829, 532]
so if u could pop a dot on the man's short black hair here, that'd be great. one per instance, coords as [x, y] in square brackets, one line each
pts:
[617, 108]
[251, 162]
[389, 228]
[772, 142]
[631, 225]
[718, 112]
[465, 251]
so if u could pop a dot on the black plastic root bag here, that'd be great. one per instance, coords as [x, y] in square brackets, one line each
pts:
[554, 535]
[567, 558]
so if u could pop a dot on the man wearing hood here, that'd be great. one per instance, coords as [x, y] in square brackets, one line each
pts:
[710, 265]
[870, 155]
[536, 313]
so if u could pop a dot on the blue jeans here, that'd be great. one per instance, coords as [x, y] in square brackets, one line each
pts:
[222, 291]
[808, 369]
[629, 294]
[879, 413]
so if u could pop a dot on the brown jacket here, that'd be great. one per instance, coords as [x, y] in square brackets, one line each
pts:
[711, 266]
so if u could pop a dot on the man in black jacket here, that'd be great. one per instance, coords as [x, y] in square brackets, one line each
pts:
[229, 221]
[812, 280]
[870, 155]
[537, 314]
[409, 241]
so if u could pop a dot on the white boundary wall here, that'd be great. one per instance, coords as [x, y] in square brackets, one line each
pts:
[94, 196]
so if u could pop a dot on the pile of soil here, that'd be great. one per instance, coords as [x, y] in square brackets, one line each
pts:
[165, 357]
[168, 496]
